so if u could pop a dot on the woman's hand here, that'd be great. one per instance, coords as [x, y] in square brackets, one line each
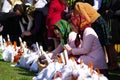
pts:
[26, 33]
[68, 48]
[52, 55]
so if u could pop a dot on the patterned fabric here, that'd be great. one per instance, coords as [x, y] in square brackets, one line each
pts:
[64, 29]
[80, 21]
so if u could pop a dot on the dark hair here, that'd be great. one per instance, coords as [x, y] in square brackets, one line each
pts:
[20, 7]
[73, 5]
[56, 28]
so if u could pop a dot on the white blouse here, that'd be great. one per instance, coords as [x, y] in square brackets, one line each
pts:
[40, 3]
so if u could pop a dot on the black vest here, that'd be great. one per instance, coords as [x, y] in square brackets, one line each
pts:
[88, 1]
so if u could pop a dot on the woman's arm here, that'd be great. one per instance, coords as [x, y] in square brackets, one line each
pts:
[59, 49]
[88, 39]
[53, 54]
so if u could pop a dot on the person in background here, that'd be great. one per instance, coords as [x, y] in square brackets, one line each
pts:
[95, 3]
[82, 43]
[1, 4]
[39, 3]
[8, 5]
[25, 23]
[25, 1]
[37, 33]
[10, 22]
[55, 13]
[110, 11]
[99, 25]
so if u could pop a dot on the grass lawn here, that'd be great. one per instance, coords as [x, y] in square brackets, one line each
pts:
[15, 73]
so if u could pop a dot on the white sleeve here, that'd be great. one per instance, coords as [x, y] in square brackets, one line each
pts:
[97, 4]
[21, 26]
[30, 23]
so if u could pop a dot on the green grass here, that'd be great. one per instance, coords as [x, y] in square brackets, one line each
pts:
[15, 73]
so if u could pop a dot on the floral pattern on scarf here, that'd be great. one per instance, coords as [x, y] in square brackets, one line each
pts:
[80, 21]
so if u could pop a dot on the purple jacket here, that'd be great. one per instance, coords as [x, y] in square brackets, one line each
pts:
[90, 48]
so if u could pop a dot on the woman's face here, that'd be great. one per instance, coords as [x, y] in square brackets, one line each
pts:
[58, 33]
[73, 28]
[18, 12]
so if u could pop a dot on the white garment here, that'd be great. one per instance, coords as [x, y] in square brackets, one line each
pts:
[48, 72]
[34, 66]
[97, 4]
[6, 6]
[40, 3]
[30, 1]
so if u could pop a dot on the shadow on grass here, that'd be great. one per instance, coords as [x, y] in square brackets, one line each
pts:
[114, 75]
[17, 69]
[1, 60]
[25, 71]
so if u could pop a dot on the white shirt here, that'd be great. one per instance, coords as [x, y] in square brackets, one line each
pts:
[6, 6]
[97, 4]
[40, 3]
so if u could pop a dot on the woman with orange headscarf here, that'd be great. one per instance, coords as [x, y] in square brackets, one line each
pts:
[82, 43]
[101, 28]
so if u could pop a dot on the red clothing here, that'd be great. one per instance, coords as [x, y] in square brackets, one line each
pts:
[55, 13]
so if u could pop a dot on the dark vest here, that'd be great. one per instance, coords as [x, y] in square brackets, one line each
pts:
[114, 5]
[88, 1]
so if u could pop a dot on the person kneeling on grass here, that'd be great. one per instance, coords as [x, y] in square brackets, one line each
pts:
[82, 42]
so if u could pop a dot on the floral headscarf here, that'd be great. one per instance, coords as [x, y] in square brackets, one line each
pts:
[64, 28]
[81, 23]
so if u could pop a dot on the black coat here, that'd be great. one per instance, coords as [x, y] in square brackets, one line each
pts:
[11, 26]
